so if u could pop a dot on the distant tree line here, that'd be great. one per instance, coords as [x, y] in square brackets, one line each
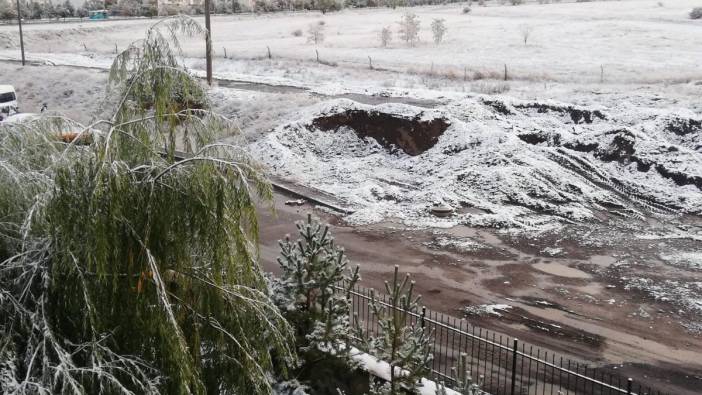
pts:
[47, 9]
[43, 9]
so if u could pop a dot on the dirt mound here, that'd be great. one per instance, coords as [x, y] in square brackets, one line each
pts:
[525, 170]
[412, 135]
[682, 127]
[577, 115]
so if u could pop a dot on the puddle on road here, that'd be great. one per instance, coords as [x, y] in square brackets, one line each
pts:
[603, 260]
[561, 270]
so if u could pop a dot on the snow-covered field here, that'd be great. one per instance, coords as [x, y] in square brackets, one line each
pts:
[632, 40]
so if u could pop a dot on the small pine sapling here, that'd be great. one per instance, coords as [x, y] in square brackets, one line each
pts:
[312, 269]
[405, 345]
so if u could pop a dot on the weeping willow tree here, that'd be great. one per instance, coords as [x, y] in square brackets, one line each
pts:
[125, 268]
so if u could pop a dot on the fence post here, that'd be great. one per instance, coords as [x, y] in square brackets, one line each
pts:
[514, 365]
[629, 384]
[424, 314]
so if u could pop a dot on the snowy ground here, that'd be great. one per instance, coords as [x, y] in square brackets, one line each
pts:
[576, 183]
[635, 40]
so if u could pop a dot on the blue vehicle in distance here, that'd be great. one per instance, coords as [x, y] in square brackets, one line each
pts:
[97, 14]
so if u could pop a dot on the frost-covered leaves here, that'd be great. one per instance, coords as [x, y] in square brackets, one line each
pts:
[148, 81]
[127, 270]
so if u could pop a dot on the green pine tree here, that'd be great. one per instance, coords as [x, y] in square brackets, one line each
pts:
[314, 293]
[400, 343]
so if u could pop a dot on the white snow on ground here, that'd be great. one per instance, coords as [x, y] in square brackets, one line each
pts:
[684, 259]
[486, 309]
[462, 245]
[381, 369]
[524, 164]
[685, 295]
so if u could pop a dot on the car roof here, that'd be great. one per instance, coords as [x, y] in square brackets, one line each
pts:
[6, 88]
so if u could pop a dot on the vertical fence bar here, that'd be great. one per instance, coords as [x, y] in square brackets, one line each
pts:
[514, 365]
[568, 379]
[499, 364]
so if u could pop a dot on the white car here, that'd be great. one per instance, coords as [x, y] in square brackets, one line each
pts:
[8, 101]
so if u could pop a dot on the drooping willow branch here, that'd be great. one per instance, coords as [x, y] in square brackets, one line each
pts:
[122, 269]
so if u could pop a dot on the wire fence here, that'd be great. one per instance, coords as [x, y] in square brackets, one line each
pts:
[501, 364]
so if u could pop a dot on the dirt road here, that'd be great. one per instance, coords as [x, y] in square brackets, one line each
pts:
[559, 303]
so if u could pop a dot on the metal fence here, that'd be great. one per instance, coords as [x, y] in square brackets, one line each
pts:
[502, 365]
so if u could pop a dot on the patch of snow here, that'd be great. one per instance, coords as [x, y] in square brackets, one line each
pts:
[381, 369]
[486, 309]
[684, 259]
[685, 295]
[462, 244]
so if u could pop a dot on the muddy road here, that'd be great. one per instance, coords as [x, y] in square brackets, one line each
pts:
[568, 304]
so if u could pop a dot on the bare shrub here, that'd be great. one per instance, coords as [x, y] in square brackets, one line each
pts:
[490, 87]
[438, 29]
[385, 37]
[409, 28]
[487, 75]
[315, 33]
[297, 33]
[696, 13]
[466, 10]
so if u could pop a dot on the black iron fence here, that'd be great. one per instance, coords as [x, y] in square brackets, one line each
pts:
[501, 364]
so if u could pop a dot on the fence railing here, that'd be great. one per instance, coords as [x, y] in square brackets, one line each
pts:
[501, 364]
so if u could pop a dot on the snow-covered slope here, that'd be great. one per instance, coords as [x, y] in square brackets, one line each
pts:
[499, 162]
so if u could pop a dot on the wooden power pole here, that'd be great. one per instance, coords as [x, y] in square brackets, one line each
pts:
[19, 22]
[208, 48]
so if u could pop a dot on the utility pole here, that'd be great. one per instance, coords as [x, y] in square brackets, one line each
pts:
[208, 48]
[19, 22]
